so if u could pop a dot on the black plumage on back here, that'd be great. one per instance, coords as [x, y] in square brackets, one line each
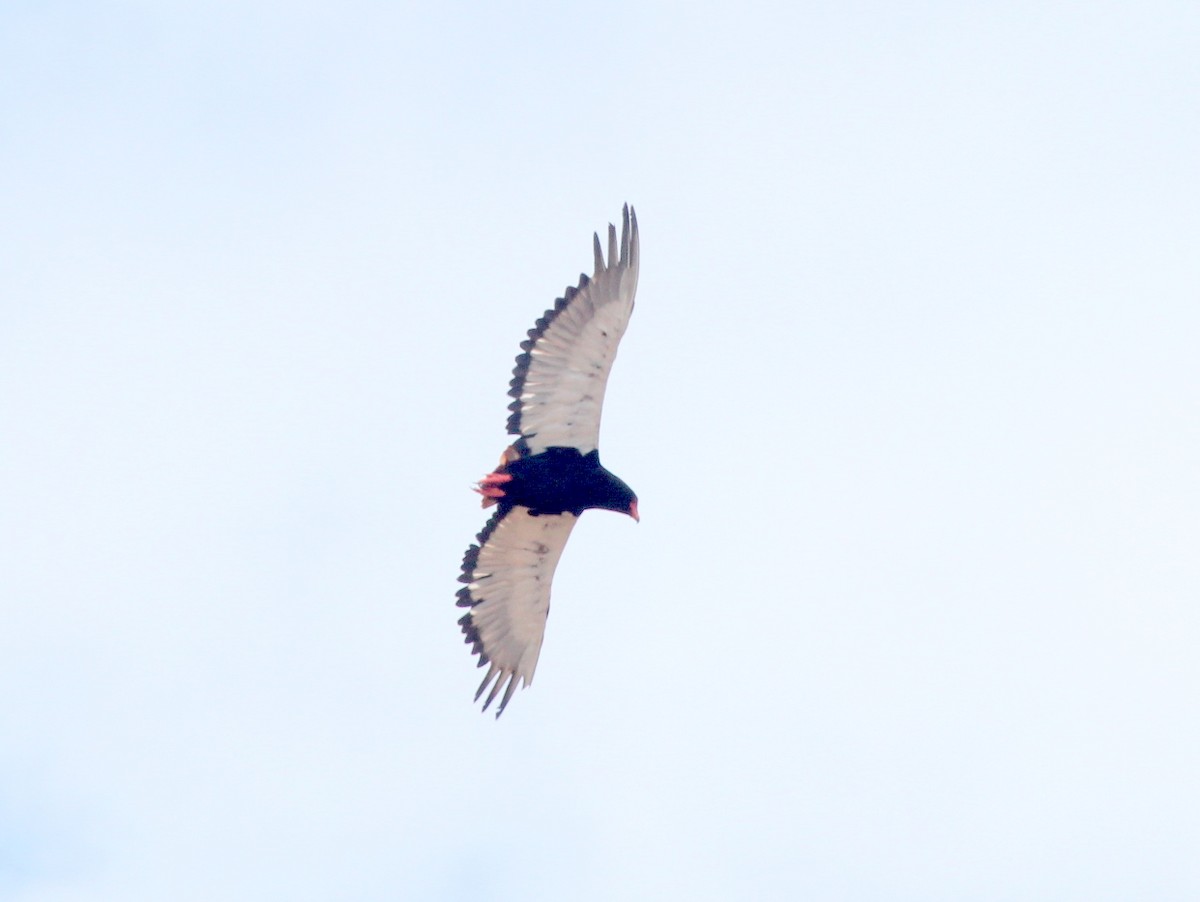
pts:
[561, 480]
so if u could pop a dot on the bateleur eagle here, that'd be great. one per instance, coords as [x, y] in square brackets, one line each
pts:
[552, 473]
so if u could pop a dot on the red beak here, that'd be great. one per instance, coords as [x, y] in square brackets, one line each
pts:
[633, 512]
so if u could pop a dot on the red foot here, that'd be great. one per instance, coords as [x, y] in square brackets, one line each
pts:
[489, 486]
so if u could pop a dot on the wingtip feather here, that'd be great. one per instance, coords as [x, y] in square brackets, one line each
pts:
[625, 235]
[487, 679]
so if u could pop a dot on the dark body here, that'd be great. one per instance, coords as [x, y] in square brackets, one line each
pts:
[562, 480]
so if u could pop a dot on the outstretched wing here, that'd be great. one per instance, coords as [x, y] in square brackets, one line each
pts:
[559, 380]
[507, 578]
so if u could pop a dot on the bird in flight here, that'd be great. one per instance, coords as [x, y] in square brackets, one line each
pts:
[552, 473]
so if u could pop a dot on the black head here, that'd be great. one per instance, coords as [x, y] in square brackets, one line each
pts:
[614, 495]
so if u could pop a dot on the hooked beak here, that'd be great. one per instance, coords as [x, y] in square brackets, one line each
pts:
[633, 512]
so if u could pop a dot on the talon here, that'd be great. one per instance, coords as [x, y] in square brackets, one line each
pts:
[489, 491]
[490, 494]
[496, 478]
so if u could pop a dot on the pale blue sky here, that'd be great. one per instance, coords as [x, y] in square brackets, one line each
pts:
[910, 399]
